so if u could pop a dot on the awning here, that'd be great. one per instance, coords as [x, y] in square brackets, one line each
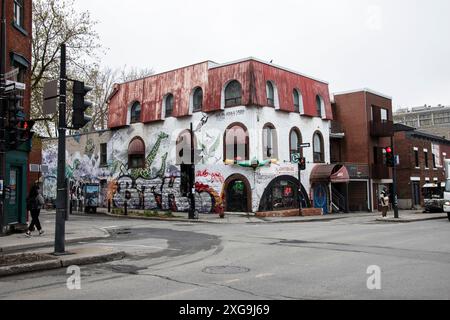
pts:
[330, 173]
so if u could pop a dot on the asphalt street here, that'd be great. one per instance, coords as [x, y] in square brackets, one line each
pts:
[314, 260]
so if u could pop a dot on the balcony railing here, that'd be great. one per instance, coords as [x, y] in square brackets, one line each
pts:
[380, 171]
[382, 128]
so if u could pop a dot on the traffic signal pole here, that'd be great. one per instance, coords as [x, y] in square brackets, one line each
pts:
[192, 177]
[394, 181]
[2, 114]
[61, 200]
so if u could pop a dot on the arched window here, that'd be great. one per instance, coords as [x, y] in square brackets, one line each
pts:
[136, 154]
[295, 139]
[270, 143]
[270, 94]
[318, 148]
[233, 94]
[197, 100]
[298, 102]
[135, 113]
[320, 105]
[168, 105]
[236, 143]
[184, 148]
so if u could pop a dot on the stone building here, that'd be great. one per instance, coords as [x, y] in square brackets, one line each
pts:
[249, 117]
[431, 120]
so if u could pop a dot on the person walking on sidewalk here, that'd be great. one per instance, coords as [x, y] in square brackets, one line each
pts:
[384, 199]
[34, 205]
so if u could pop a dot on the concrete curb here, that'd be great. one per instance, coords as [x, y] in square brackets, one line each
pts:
[259, 220]
[409, 221]
[22, 247]
[160, 219]
[58, 263]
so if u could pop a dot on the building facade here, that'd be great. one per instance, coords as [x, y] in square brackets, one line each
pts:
[422, 159]
[18, 14]
[249, 118]
[361, 130]
[431, 120]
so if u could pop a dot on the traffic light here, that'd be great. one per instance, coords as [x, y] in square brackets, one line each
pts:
[390, 158]
[24, 130]
[79, 119]
[14, 117]
[302, 164]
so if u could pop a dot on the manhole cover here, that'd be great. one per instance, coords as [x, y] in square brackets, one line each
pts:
[226, 270]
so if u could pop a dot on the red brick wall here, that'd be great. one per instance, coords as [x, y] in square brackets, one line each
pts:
[405, 149]
[19, 43]
[353, 111]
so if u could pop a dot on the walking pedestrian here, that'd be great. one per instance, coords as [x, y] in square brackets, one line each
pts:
[384, 199]
[35, 202]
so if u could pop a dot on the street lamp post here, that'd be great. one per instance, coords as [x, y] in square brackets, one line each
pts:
[2, 115]
[192, 176]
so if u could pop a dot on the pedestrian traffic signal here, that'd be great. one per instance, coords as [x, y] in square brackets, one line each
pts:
[24, 131]
[390, 158]
[79, 119]
[302, 164]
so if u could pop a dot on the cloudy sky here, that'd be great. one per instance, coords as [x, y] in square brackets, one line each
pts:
[397, 47]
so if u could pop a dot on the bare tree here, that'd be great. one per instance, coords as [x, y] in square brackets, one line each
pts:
[56, 22]
[103, 81]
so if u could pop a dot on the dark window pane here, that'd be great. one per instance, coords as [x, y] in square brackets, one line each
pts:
[136, 113]
[169, 105]
[103, 154]
[270, 94]
[233, 94]
[319, 105]
[296, 101]
[198, 100]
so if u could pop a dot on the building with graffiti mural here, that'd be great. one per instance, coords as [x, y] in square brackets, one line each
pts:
[249, 118]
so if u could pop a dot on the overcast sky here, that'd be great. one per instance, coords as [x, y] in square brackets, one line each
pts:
[398, 47]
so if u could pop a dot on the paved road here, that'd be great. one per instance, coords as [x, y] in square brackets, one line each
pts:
[315, 260]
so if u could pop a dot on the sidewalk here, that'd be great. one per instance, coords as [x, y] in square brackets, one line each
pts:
[239, 218]
[74, 233]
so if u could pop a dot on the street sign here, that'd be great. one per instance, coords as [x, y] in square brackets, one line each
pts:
[51, 97]
[305, 145]
[296, 158]
[12, 73]
[11, 85]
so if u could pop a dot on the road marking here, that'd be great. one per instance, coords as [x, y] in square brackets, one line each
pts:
[113, 227]
[264, 275]
[232, 281]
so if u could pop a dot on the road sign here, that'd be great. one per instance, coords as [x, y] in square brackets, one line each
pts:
[296, 158]
[305, 145]
[11, 85]
[12, 73]
[51, 97]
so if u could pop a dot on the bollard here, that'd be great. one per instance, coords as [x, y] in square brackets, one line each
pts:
[126, 208]
[109, 205]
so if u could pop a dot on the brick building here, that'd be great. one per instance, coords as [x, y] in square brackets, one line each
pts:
[361, 129]
[18, 14]
[422, 158]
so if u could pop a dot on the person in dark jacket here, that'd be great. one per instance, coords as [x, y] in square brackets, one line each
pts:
[34, 205]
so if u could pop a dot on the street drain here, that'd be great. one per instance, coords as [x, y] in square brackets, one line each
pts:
[226, 270]
[127, 269]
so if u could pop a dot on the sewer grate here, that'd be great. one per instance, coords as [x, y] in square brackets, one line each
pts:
[225, 270]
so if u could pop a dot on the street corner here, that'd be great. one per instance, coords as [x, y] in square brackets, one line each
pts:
[14, 264]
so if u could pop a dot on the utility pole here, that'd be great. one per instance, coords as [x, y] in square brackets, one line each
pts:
[192, 176]
[3, 107]
[394, 180]
[61, 200]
